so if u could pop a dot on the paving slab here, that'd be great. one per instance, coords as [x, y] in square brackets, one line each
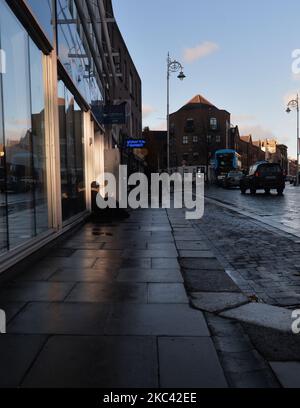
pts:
[217, 302]
[243, 366]
[61, 252]
[167, 293]
[82, 245]
[150, 275]
[17, 353]
[165, 263]
[100, 253]
[232, 344]
[195, 254]
[150, 253]
[208, 281]
[186, 237]
[68, 262]
[189, 363]
[135, 263]
[37, 273]
[96, 362]
[60, 318]
[161, 246]
[201, 263]
[104, 274]
[270, 330]
[11, 309]
[263, 315]
[35, 291]
[155, 320]
[262, 379]
[156, 228]
[125, 244]
[161, 236]
[221, 327]
[109, 293]
[288, 373]
[242, 362]
[192, 246]
[112, 263]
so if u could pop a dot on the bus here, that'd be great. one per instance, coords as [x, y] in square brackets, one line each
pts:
[225, 161]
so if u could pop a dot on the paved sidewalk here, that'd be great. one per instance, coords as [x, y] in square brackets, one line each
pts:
[108, 308]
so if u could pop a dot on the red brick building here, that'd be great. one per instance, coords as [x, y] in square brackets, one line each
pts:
[292, 167]
[197, 130]
[249, 150]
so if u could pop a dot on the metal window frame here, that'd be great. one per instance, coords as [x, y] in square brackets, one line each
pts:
[52, 141]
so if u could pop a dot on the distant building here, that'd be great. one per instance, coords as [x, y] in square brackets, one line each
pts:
[274, 152]
[269, 147]
[197, 130]
[282, 155]
[248, 149]
[292, 167]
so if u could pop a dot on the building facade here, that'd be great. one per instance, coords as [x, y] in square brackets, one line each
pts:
[66, 101]
[156, 146]
[197, 130]
[249, 150]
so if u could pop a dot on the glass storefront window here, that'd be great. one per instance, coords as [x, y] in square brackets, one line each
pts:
[24, 193]
[38, 138]
[3, 207]
[74, 53]
[42, 9]
[71, 154]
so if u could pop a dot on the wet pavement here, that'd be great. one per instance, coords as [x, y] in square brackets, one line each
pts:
[108, 308]
[263, 262]
[277, 211]
[144, 302]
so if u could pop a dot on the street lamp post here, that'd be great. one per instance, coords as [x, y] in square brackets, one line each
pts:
[172, 66]
[294, 104]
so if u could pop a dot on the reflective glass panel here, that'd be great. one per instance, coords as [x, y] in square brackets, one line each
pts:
[3, 212]
[23, 186]
[17, 129]
[73, 51]
[72, 154]
[42, 9]
[38, 138]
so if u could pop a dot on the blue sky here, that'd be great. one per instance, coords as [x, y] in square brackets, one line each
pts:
[239, 58]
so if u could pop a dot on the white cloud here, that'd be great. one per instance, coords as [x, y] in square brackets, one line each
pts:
[236, 119]
[257, 132]
[160, 126]
[147, 110]
[200, 51]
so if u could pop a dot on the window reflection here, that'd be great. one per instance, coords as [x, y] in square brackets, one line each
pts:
[3, 218]
[72, 154]
[42, 9]
[23, 192]
[17, 129]
[74, 53]
[38, 139]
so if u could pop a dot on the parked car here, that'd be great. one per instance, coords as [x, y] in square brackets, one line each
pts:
[264, 176]
[233, 179]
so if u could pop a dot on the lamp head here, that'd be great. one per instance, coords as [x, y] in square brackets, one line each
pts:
[181, 76]
[288, 110]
